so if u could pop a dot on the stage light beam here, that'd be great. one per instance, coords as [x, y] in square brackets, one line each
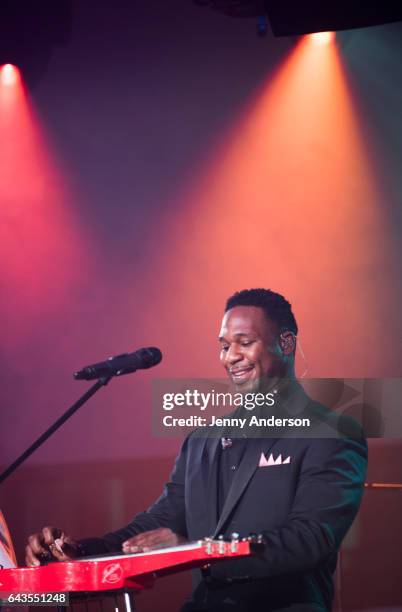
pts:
[289, 195]
[40, 234]
[322, 38]
[9, 75]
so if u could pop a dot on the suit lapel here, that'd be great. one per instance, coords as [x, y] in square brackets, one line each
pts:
[247, 467]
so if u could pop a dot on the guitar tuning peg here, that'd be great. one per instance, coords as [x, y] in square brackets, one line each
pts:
[234, 542]
[221, 545]
[208, 543]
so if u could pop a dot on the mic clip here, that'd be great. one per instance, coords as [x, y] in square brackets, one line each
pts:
[226, 443]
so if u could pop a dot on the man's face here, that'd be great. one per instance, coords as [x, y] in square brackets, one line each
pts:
[249, 347]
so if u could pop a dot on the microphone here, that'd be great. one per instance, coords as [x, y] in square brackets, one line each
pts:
[121, 364]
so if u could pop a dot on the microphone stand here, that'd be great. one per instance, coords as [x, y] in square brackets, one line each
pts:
[102, 382]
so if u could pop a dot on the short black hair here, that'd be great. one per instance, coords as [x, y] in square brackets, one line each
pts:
[275, 306]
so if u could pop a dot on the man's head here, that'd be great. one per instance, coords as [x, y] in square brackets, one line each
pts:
[258, 338]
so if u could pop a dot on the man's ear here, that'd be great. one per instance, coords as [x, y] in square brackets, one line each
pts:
[287, 342]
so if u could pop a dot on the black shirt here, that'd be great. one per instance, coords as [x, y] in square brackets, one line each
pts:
[230, 455]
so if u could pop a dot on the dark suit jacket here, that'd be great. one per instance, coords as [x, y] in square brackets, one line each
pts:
[303, 509]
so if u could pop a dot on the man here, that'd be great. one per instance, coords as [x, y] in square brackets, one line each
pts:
[303, 506]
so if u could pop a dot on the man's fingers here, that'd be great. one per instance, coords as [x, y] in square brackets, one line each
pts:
[142, 540]
[131, 546]
[64, 549]
[37, 545]
[150, 540]
[50, 543]
[30, 558]
[50, 534]
[156, 535]
[57, 551]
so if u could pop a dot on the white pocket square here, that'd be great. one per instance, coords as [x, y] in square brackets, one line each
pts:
[264, 462]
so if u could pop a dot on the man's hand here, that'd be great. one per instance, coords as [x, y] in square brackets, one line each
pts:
[151, 540]
[51, 544]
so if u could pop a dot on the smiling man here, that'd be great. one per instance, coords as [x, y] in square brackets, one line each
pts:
[258, 339]
[300, 494]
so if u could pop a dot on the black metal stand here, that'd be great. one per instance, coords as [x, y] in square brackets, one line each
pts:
[121, 600]
[129, 602]
[84, 398]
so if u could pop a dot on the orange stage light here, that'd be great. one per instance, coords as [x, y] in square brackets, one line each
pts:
[288, 201]
[322, 38]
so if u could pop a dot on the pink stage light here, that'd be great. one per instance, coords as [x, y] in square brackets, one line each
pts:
[9, 75]
[39, 231]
